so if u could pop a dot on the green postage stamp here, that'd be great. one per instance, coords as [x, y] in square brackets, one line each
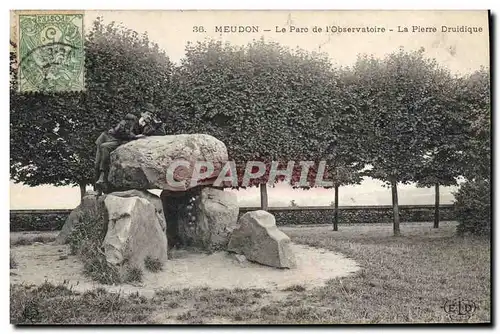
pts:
[50, 51]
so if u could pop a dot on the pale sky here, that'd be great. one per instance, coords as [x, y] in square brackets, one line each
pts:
[460, 52]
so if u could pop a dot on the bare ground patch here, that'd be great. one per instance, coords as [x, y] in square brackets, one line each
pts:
[38, 263]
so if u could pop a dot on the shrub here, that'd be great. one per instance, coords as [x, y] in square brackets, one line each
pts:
[134, 274]
[359, 216]
[295, 287]
[473, 208]
[85, 241]
[97, 268]
[42, 221]
[39, 221]
[153, 265]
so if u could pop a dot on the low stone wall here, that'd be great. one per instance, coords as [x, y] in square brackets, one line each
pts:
[50, 220]
[39, 220]
[357, 216]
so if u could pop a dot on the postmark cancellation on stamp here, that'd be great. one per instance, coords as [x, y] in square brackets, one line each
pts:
[50, 49]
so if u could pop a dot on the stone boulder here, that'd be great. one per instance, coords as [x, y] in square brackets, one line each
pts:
[213, 218]
[143, 163]
[202, 218]
[91, 205]
[258, 238]
[134, 232]
[152, 198]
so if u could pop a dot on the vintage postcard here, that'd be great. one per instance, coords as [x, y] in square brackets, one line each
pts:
[250, 167]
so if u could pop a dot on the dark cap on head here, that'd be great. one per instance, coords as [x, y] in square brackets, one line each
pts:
[148, 107]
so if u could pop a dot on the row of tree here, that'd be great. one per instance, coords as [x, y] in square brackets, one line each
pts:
[399, 119]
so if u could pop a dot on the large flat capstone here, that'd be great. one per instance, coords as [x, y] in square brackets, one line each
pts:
[144, 163]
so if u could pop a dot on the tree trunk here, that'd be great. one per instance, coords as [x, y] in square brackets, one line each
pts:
[436, 206]
[395, 207]
[336, 210]
[83, 187]
[263, 196]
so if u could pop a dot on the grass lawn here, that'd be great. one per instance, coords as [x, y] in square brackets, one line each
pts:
[27, 238]
[403, 279]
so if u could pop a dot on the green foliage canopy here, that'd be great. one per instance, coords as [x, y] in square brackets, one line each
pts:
[403, 115]
[399, 97]
[52, 136]
[263, 100]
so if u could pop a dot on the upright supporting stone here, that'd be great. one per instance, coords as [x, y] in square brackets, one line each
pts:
[202, 218]
[133, 226]
[134, 232]
[217, 218]
[152, 198]
[91, 205]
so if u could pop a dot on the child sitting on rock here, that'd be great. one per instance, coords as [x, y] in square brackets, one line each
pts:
[150, 125]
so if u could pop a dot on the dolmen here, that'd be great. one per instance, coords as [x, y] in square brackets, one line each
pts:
[137, 224]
